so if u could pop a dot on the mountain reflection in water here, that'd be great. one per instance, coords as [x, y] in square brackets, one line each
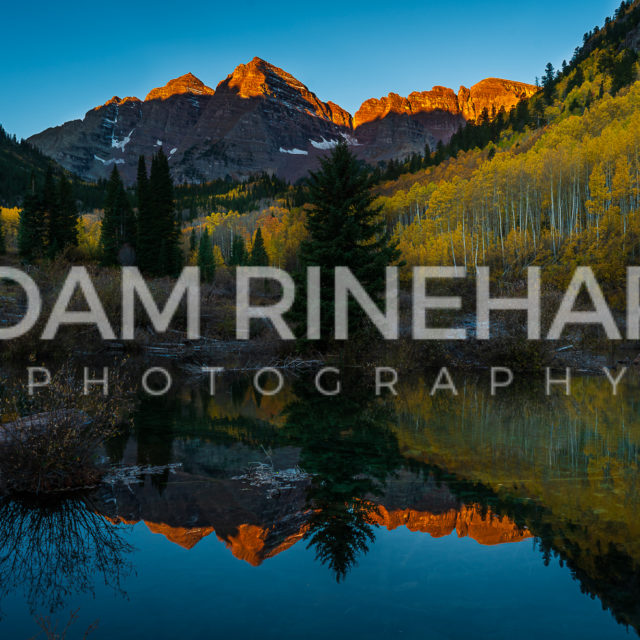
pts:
[265, 474]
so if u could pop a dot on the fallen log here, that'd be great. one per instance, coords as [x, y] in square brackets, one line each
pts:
[22, 428]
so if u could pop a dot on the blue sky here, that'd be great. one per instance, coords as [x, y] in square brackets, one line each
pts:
[59, 59]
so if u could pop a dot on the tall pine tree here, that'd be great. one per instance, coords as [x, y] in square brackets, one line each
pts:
[258, 257]
[52, 213]
[66, 231]
[345, 229]
[32, 225]
[548, 82]
[146, 241]
[49, 219]
[161, 186]
[238, 255]
[206, 261]
[118, 224]
[158, 227]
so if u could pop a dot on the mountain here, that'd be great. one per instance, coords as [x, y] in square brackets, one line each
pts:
[394, 126]
[122, 129]
[187, 83]
[260, 118]
[21, 163]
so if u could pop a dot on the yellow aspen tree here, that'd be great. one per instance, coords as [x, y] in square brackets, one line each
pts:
[599, 195]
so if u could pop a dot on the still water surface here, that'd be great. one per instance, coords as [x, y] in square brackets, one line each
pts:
[302, 516]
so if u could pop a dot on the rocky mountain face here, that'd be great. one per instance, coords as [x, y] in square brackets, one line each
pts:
[395, 126]
[260, 118]
[121, 130]
[184, 84]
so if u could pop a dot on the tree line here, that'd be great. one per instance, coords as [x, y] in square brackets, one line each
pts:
[149, 234]
[49, 219]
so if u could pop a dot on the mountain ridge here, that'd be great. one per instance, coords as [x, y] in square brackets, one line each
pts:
[467, 102]
[260, 118]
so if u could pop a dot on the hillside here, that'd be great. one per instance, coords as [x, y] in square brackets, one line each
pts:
[558, 184]
[22, 164]
[18, 161]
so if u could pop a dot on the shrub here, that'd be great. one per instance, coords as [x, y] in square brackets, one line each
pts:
[49, 442]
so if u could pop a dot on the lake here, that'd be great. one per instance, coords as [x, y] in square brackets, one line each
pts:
[305, 516]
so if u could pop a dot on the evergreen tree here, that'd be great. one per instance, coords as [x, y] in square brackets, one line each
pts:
[147, 238]
[548, 82]
[166, 229]
[363, 455]
[67, 231]
[344, 229]
[576, 79]
[538, 110]
[118, 224]
[206, 261]
[259, 257]
[415, 162]
[52, 214]
[32, 226]
[193, 241]
[519, 117]
[623, 72]
[483, 118]
[238, 256]
[427, 160]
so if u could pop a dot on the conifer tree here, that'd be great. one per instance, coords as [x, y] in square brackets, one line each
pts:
[166, 229]
[238, 256]
[193, 241]
[440, 153]
[623, 71]
[146, 241]
[118, 224]
[258, 257]
[206, 260]
[427, 161]
[576, 79]
[3, 246]
[66, 232]
[548, 82]
[344, 230]
[521, 115]
[51, 206]
[32, 226]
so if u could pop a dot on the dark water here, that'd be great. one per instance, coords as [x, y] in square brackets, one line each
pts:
[302, 516]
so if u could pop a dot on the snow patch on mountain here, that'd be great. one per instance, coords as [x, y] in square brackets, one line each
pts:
[350, 140]
[296, 152]
[110, 161]
[121, 144]
[324, 144]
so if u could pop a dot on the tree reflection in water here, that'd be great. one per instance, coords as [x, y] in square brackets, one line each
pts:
[349, 448]
[55, 550]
